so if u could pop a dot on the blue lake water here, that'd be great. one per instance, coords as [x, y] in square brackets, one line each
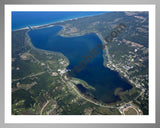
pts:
[104, 80]
[22, 19]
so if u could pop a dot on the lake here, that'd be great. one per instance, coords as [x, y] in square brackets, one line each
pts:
[104, 80]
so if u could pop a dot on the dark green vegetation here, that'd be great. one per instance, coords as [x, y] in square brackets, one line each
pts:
[37, 87]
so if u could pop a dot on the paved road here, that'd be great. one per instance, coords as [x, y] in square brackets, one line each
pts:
[44, 106]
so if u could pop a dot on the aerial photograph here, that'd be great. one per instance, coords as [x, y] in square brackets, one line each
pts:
[80, 63]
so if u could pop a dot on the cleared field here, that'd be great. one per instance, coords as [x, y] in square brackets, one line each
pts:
[130, 111]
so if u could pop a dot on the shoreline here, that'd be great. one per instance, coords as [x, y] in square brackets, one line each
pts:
[80, 81]
[80, 34]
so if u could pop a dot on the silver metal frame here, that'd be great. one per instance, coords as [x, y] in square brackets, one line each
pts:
[3, 2]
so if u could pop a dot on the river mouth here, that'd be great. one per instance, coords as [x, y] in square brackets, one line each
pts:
[104, 80]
